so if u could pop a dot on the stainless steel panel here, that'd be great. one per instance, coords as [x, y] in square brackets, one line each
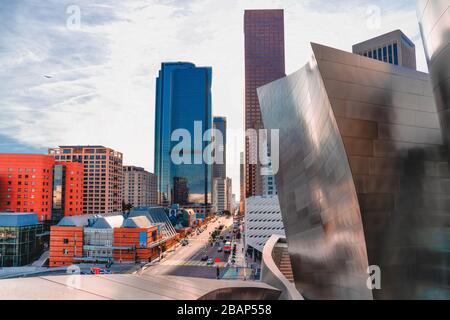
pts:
[434, 21]
[361, 169]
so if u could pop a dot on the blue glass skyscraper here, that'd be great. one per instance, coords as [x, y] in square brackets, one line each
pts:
[183, 99]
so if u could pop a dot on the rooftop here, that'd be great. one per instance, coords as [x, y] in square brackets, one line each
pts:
[156, 215]
[82, 146]
[133, 287]
[108, 222]
[17, 219]
[383, 37]
[137, 222]
[78, 221]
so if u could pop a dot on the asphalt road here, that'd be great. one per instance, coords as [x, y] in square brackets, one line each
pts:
[186, 261]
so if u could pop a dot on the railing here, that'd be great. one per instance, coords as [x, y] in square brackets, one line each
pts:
[271, 274]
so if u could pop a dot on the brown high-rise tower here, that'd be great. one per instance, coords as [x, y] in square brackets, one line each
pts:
[264, 63]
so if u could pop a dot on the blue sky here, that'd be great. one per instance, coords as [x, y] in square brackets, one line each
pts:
[102, 75]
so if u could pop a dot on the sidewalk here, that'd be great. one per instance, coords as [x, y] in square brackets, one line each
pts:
[242, 268]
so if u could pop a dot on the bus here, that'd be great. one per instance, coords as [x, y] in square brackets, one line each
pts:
[227, 247]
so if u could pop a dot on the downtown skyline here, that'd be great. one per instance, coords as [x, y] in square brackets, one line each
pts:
[110, 78]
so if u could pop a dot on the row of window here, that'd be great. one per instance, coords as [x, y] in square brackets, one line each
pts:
[26, 190]
[387, 53]
[28, 170]
[75, 157]
[26, 183]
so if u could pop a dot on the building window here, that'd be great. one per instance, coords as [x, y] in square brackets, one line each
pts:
[390, 54]
[66, 241]
[395, 54]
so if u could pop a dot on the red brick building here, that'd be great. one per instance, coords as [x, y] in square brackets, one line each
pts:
[26, 184]
[264, 63]
[35, 183]
[90, 238]
[66, 244]
[136, 241]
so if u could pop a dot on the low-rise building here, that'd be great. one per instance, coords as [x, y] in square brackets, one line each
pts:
[107, 239]
[138, 240]
[21, 239]
[98, 239]
[67, 238]
[158, 216]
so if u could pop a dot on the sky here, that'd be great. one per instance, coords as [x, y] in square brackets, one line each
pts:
[83, 71]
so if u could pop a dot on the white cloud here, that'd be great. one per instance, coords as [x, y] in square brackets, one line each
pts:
[103, 77]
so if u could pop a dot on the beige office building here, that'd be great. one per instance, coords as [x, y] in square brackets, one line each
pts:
[139, 187]
[103, 176]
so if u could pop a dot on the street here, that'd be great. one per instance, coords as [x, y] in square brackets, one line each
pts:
[186, 261]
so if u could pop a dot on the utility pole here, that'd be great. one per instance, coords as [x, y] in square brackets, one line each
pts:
[75, 247]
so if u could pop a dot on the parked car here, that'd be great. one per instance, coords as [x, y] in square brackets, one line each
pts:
[100, 271]
[219, 249]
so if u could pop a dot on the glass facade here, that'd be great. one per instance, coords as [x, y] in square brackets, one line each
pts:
[183, 101]
[19, 245]
[59, 174]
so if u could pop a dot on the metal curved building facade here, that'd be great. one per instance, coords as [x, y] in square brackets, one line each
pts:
[434, 21]
[364, 178]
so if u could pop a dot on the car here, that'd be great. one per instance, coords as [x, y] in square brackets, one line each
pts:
[219, 249]
[99, 271]
[205, 258]
[209, 262]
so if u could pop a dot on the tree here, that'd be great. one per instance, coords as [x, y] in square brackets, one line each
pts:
[126, 207]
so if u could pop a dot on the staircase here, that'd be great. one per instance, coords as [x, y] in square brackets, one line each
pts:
[285, 266]
[282, 259]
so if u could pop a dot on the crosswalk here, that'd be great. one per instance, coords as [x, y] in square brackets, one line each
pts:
[192, 263]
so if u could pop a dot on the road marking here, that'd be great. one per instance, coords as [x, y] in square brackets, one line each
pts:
[191, 263]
